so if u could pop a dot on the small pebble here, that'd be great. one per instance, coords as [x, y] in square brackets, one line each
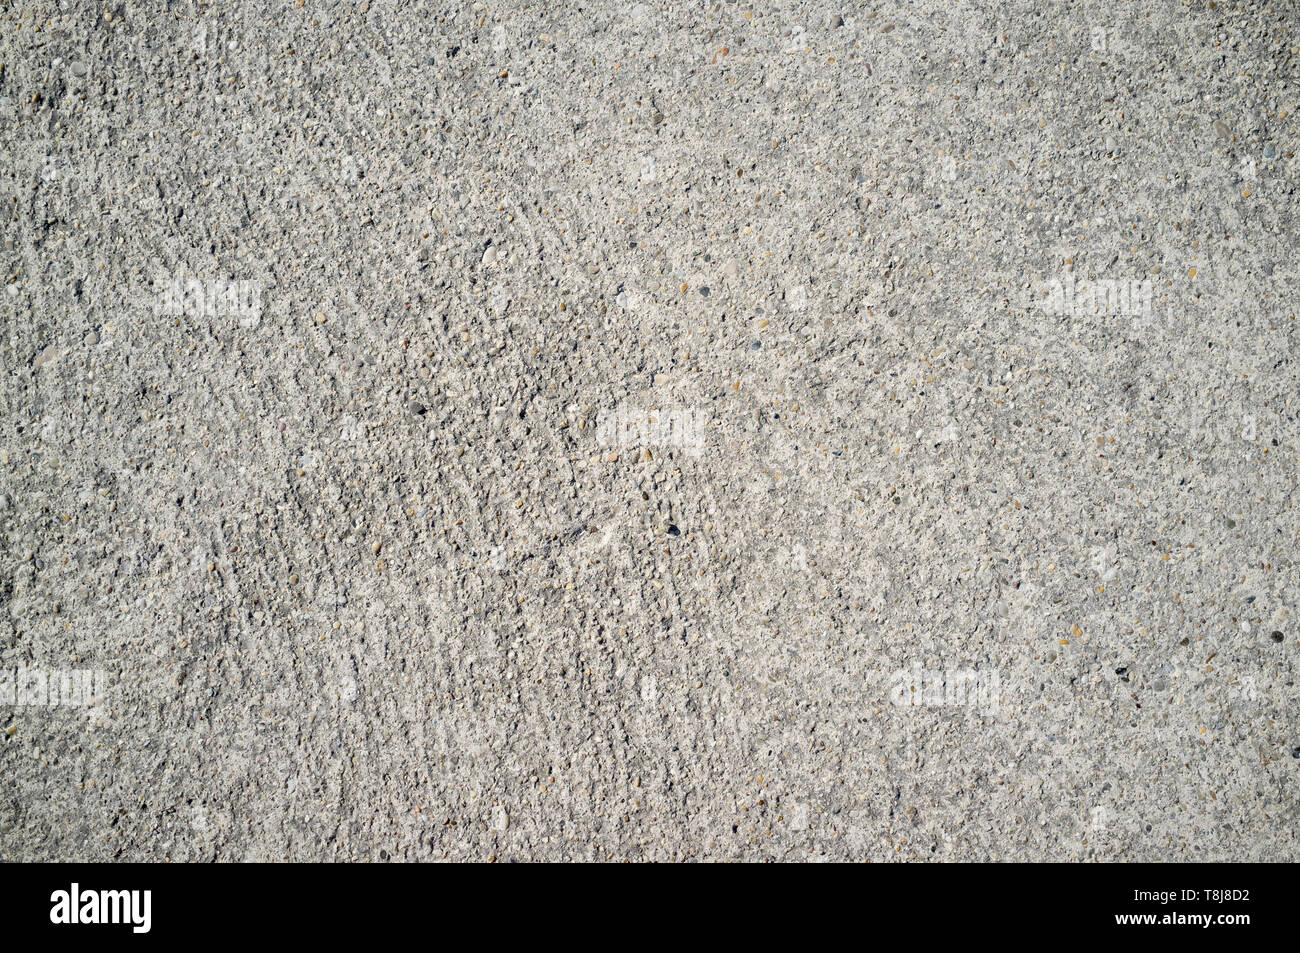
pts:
[46, 356]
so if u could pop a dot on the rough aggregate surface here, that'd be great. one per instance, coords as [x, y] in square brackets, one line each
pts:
[580, 429]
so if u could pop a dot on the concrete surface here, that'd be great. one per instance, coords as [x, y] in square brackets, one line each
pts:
[649, 431]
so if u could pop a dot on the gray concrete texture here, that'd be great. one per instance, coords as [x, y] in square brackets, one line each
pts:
[649, 431]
